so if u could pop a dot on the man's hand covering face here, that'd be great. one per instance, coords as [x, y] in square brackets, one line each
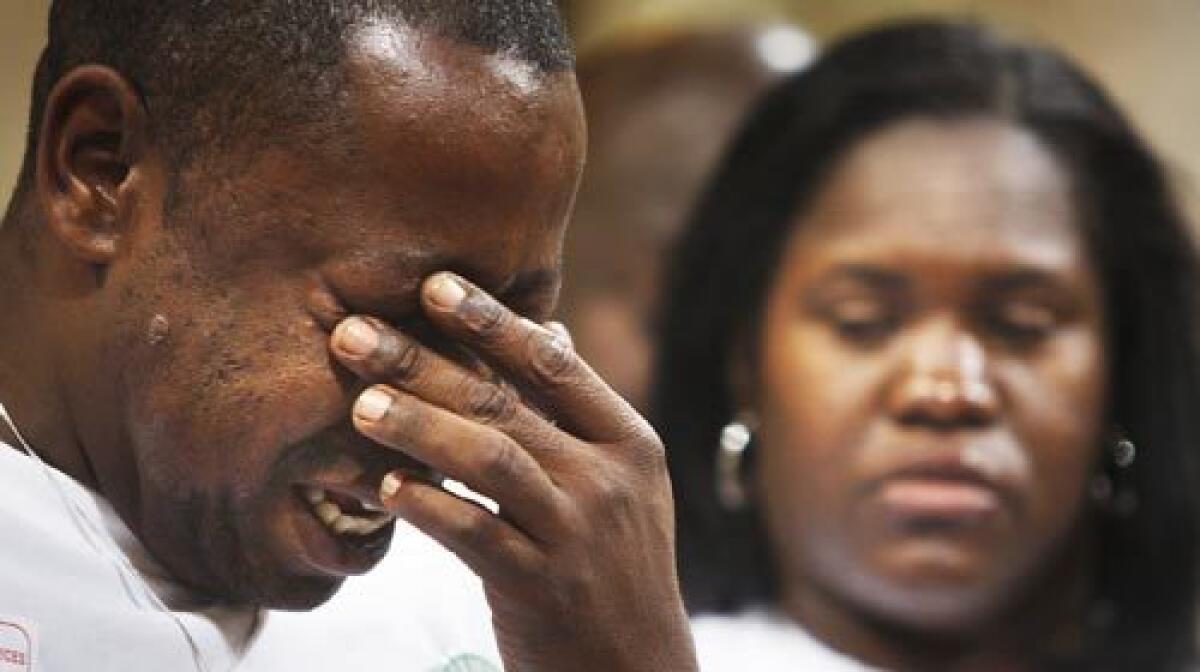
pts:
[578, 565]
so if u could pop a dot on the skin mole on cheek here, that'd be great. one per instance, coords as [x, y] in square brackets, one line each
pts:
[158, 330]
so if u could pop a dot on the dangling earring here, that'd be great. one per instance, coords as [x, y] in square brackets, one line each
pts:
[731, 455]
[1106, 488]
[1122, 450]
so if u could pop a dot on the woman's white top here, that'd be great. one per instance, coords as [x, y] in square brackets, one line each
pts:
[761, 639]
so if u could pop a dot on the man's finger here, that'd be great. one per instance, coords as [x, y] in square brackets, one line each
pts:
[380, 353]
[483, 458]
[534, 356]
[491, 547]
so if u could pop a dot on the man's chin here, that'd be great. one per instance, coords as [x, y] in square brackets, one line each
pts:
[292, 594]
[253, 582]
[304, 596]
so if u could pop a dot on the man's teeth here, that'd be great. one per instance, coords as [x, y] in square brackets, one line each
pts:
[343, 523]
[314, 495]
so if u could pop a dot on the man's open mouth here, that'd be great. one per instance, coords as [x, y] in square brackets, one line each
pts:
[345, 514]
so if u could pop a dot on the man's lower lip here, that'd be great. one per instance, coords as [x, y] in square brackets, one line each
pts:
[340, 554]
[918, 498]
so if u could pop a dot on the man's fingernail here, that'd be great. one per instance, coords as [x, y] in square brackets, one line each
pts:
[446, 292]
[356, 338]
[372, 405]
[389, 487]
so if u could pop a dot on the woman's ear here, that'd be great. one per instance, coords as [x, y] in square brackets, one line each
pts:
[92, 136]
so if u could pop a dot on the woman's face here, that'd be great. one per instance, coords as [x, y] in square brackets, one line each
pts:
[931, 378]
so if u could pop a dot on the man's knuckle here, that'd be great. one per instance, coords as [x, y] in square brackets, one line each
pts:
[654, 452]
[613, 495]
[568, 591]
[490, 403]
[402, 420]
[645, 456]
[485, 317]
[553, 360]
[501, 461]
[533, 567]
[402, 358]
[475, 528]
[631, 430]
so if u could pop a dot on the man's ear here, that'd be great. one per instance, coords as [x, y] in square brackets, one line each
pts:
[93, 134]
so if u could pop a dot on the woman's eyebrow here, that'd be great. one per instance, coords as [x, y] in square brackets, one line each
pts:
[874, 276]
[1022, 279]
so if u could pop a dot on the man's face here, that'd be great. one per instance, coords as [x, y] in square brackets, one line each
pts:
[227, 406]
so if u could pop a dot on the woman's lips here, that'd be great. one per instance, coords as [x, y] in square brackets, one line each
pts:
[939, 498]
[936, 493]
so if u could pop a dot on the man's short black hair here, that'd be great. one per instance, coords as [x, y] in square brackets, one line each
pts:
[213, 72]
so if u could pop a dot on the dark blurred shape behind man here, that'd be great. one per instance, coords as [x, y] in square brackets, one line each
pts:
[660, 108]
[247, 280]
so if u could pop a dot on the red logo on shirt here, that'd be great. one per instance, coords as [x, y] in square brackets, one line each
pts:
[16, 647]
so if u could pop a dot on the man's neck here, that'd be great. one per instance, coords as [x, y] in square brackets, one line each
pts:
[7, 436]
[27, 370]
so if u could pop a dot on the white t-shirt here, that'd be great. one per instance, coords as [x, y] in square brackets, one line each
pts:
[79, 592]
[759, 639]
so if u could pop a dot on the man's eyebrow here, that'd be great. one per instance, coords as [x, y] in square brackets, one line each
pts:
[533, 293]
[533, 281]
[525, 284]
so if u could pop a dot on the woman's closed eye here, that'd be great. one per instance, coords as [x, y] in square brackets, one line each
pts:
[863, 321]
[1021, 323]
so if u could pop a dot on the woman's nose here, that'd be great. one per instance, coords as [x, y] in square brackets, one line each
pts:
[944, 381]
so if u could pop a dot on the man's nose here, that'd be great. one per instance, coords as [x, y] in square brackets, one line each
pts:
[944, 381]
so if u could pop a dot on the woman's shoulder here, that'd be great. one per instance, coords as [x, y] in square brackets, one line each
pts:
[763, 639]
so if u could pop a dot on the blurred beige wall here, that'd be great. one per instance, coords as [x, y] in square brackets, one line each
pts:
[22, 32]
[1146, 51]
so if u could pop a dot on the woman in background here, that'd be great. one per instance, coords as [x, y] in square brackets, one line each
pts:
[928, 373]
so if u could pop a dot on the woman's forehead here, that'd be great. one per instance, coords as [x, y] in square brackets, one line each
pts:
[970, 190]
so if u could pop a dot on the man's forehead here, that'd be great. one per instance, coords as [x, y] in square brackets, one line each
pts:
[417, 55]
[462, 160]
[468, 116]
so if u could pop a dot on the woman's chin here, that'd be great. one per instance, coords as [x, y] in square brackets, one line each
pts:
[936, 588]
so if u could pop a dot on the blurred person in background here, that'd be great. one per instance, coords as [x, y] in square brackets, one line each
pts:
[660, 107]
[928, 373]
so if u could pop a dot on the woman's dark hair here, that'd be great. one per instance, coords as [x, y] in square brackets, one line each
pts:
[1138, 240]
